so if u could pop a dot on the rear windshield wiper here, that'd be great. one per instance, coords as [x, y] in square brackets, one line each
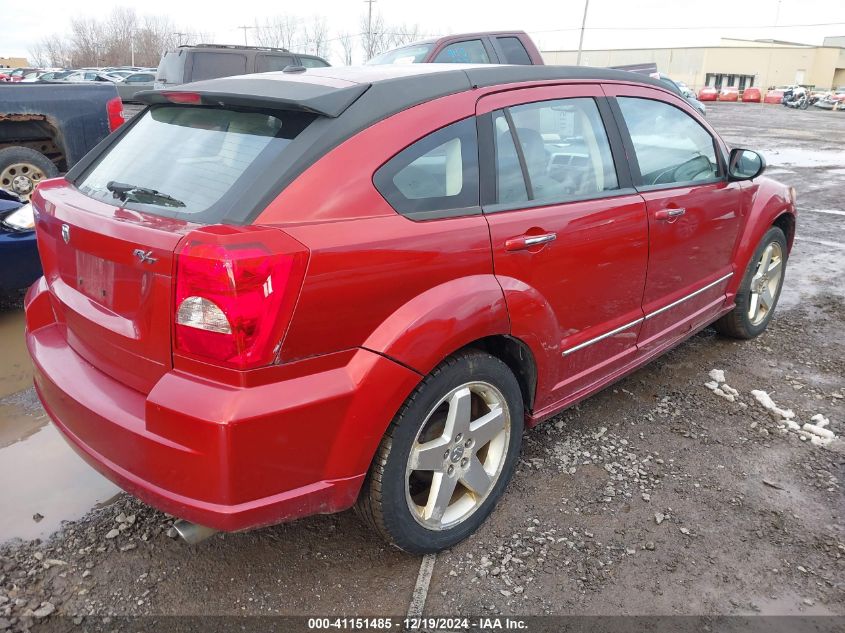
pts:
[144, 195]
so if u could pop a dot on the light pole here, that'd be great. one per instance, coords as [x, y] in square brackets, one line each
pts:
[246, 28]
[369, 28]
[581, 39]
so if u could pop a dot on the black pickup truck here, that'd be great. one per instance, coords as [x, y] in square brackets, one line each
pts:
[46, 128]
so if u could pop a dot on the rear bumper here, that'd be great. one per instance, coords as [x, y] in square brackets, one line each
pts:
[20, 264]
[227, 457]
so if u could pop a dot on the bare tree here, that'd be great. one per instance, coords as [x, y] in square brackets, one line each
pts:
[404, 34]
[373, 36]
[279, 31]
[315, 37]
[347, 46]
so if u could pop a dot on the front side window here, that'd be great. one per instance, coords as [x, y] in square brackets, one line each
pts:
[563, 152]
[468, 52]
[670, 145]
[437, 173]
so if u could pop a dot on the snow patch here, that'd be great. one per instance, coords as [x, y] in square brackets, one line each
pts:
[766, 401]
[718, 375]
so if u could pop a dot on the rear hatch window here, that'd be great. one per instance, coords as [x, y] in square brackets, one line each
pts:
[191, 162]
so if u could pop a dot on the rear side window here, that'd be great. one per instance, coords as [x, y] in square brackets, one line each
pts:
[214, 65]
[670, 145]
[270, 63]
[468, 52]
[438, 173]
[514, 51]
[191, 162]
[561, 150]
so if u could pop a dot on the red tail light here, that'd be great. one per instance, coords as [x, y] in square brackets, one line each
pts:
[235, 292]
[114, 108]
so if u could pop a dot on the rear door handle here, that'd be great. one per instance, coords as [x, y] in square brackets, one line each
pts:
[527, 241]
[669, 214]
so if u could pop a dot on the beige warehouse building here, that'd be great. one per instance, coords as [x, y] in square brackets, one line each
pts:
[735, 62]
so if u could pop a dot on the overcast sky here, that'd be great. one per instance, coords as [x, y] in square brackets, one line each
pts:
[553, 24]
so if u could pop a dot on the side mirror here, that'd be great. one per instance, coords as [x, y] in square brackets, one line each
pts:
[745, 164]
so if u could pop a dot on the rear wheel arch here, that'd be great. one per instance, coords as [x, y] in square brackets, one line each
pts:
[516, 354]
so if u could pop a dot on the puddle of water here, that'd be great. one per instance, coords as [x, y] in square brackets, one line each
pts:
[804, 157]
[16, 372]
[41, 473]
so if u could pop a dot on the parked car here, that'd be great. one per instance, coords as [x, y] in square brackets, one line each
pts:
[489, 47]
[774, 95]
[16, 75]
[729, 93]
[677, 88]
[19, 263]
[55, 75]
[708, 93]
[134, 83]
[751, 95]
[45, 128]
[211, 61]
[276, 295]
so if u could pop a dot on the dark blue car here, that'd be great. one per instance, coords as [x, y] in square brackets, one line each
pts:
[19, 263]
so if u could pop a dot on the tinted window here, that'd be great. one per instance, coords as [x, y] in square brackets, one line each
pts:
[406, 55]
[213, 65]
[139, 78]
[270, 63]
[514, 50]
[468, 52]
[204, 158]
[437, 173]
[312, 62]
[671, 146]
[564, 147]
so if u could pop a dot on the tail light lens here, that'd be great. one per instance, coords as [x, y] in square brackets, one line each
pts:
[236, 288]
[114, 108]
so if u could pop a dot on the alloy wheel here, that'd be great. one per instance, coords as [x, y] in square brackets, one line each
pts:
[458, 455]
[765, 283]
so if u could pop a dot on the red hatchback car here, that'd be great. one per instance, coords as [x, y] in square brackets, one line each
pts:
[276, 295]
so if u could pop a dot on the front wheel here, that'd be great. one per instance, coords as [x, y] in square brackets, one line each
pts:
[759, 290]
[448, 455]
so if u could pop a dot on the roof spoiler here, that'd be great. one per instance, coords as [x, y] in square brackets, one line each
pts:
[254, 92]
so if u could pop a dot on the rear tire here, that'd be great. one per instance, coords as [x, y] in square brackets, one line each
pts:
[22, 168]
[447, 457]
[759, 290]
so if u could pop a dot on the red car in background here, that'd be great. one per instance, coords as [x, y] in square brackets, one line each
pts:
[708, 94]
[774, 95]
[729, 93]
[751, 95]
[274, 295]
[488, 47]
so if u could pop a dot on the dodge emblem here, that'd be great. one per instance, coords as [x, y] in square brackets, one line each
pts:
[66, 233]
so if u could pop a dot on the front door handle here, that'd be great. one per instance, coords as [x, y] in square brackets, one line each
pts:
[669, 214]
[527, 241]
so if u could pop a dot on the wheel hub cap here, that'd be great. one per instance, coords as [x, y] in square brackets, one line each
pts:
[458, 455]
[765, 283]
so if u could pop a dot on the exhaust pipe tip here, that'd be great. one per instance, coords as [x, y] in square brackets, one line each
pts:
[192, 533]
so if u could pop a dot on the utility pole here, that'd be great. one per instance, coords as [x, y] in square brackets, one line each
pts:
[581, 39]
[246, 28]
[179, 35]
[369, 28]
[132, 47]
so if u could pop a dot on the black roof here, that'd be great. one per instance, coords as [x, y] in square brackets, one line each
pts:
[386, 89]
[351, 99]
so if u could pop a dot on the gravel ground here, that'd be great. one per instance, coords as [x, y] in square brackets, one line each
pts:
[662, 495]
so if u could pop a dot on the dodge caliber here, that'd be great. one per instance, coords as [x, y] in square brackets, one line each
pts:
[270, 296]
